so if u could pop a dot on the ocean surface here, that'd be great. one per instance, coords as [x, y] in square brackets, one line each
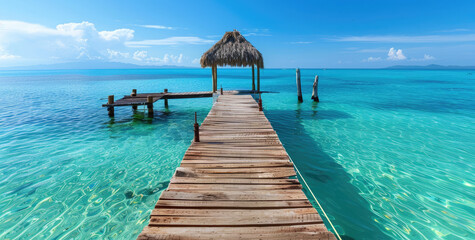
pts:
[390, 154]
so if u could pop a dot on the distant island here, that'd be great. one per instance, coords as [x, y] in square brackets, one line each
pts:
[431, 67]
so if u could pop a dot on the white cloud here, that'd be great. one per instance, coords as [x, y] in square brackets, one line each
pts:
[428, 57]
[157, 27]
[394, 54]
[116, 55]
[65, 42]
[4, 55]
[169, 41]
[196, 61]
[30, 43]
[142, 56]
[409, 39]
[117, 35]
[372, 59]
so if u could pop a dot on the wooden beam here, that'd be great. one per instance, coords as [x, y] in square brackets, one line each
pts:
[150, 106]
[315, 90]
[110, 100]
[212, 75]
[215, 79]
[299, 86]
[253, 79]
[258, 80]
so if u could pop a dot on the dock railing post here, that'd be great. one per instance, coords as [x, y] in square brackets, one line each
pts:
[197, 129]
[299, 86]
[221, 89]
[165, 99]
[134, 94]
[110, 100]
[150, 106]
[260, 103]
[315, 90]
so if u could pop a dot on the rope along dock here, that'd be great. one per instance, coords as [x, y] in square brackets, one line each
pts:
[237, 182]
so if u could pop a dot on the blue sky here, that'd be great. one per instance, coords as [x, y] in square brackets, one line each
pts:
[328, 34]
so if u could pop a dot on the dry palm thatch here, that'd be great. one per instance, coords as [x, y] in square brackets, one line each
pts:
[232, 50]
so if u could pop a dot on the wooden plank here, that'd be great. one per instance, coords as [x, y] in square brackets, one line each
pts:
[218, 204]
[235, 220]
[212, 195]
[231, 212]
[275, 181]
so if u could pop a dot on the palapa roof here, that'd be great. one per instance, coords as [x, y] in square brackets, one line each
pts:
[232, 50]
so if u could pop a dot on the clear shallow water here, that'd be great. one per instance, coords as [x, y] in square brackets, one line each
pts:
[389, 153]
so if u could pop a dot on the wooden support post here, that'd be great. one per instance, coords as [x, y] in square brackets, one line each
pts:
[299, 86]
[110, 100]
[215, 79]
[133, 94]
[150, 106]
[258, 80]
[165, 99]
[213, 73]
[253, 80]
[197, 130]
[315, 90]
[221, 89]
[260, 103]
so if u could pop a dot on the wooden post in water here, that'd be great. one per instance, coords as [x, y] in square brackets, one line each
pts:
[221, 89]
[299, 86]
[165, 99]
[315, 90]
[110, 100]
[260, 103]
[253, 80]
[133, 94]
[150, 106]
[258, 80]
[197, 130]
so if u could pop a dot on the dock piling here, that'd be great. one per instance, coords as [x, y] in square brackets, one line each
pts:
[221, 89]
[315, 90]
[134, 93]
[110, 100]
[165, 99]
[197, 129]
[150, 106]
[299, 86]
[253, 81]
[260, 103]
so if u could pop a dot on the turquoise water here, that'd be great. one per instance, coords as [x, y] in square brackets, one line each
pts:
[389, 153]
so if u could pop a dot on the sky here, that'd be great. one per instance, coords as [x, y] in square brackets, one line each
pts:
[289, 34]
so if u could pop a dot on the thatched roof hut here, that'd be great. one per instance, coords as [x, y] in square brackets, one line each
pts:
[233, 50]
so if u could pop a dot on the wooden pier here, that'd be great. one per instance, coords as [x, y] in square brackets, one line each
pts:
[148, 99]
[236, 183]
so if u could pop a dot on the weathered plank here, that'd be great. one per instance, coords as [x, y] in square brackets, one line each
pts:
[235, 184]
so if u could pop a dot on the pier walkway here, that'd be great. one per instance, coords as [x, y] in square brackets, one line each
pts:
[236, 183]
